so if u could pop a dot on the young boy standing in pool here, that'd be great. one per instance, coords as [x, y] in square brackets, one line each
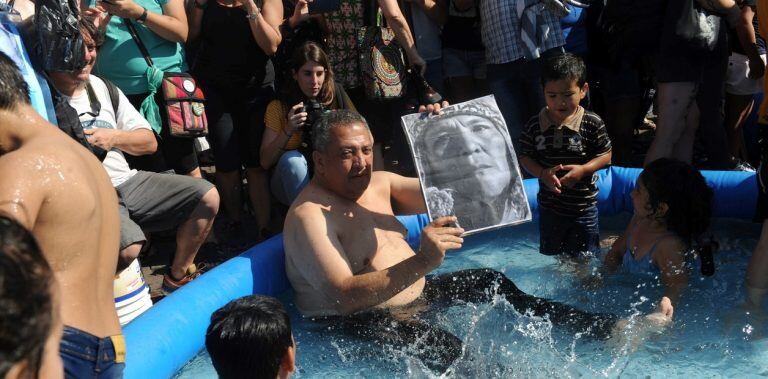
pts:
[563, 146]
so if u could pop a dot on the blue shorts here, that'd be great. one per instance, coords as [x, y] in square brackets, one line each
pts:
[458, 63]
[575, 236]
[87, 356]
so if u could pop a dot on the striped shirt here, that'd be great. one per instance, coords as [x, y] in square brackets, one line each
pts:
[578, 141]
[502, 30]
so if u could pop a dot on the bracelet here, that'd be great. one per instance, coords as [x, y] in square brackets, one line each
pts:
[200, 6]
[254, 15]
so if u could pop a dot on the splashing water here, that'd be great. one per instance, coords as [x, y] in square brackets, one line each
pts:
[709, 337]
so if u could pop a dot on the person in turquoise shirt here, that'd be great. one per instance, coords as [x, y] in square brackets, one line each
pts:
[120, 59]
[162, 27]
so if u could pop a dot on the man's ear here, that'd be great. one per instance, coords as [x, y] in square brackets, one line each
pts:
[288, 363]
[317, 157]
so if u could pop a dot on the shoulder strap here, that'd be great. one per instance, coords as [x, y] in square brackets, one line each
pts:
[661, 238]
[114, 95]
[341, 97]
[139, 43]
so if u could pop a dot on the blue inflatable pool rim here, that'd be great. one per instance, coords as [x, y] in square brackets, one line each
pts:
[172, 332]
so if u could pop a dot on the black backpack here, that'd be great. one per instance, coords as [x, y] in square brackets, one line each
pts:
[69, 122]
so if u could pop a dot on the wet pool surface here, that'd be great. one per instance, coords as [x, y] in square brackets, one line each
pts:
[710, 336]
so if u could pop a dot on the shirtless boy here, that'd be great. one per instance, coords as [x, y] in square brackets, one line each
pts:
[59, 191]
[346, 253]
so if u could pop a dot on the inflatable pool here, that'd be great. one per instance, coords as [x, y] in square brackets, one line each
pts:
[172, 332]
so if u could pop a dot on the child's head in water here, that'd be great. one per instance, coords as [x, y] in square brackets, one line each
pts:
[675, 195]
[564, 78]
[250, 337]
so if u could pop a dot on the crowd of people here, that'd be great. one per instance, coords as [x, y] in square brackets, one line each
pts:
[294, 135]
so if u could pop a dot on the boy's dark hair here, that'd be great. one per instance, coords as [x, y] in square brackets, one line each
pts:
[248, 337]
[13, 88]
[563, 66]
[26, 305]
[686, 193]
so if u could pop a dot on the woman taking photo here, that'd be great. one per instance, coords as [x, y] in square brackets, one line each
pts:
[234, 41]
[288, 119]
[162, 27]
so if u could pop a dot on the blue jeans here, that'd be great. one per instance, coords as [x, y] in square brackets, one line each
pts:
[571, 235]
[518, 92]
[289, 177]
[87, 356]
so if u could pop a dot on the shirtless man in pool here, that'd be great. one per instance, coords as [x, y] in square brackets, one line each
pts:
[346, 253]
[59, 190]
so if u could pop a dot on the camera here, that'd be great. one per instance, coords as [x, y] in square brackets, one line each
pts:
[314, 110]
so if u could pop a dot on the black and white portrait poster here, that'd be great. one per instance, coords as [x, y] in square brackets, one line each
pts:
[467, 165]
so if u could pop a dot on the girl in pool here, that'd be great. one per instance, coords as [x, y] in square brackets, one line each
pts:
[672, 205]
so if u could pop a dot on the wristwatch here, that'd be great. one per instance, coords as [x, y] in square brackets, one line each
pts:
[143, 18]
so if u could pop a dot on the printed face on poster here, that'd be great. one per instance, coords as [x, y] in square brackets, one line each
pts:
[467, 165]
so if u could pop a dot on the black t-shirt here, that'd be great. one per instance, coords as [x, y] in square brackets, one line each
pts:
[733, 37]
[228, 55]
[462, 29]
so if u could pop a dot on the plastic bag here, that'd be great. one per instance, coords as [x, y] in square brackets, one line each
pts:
[58, 36]
[698, 26]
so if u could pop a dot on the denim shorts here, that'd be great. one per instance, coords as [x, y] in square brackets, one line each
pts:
[457, 63]
[575, 236]
[87, 356]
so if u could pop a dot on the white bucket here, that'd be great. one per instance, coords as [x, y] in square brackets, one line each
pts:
[131, 293]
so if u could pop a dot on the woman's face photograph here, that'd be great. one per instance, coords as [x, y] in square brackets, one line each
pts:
[469, 154]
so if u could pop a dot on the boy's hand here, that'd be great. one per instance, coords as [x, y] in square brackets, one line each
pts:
[549, 178]
[575, 173]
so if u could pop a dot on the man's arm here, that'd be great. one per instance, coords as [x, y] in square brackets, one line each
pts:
[748, 40]
[135, 142]
[406, 193]
[20, 195]
[326, 267]
[399, 25]
[132, 133]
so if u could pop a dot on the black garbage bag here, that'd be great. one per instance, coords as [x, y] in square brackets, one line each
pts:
[59, 40]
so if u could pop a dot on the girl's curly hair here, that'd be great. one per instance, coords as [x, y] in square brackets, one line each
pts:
[686, 193]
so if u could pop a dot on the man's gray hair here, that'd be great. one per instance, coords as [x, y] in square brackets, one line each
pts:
[321, 130]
